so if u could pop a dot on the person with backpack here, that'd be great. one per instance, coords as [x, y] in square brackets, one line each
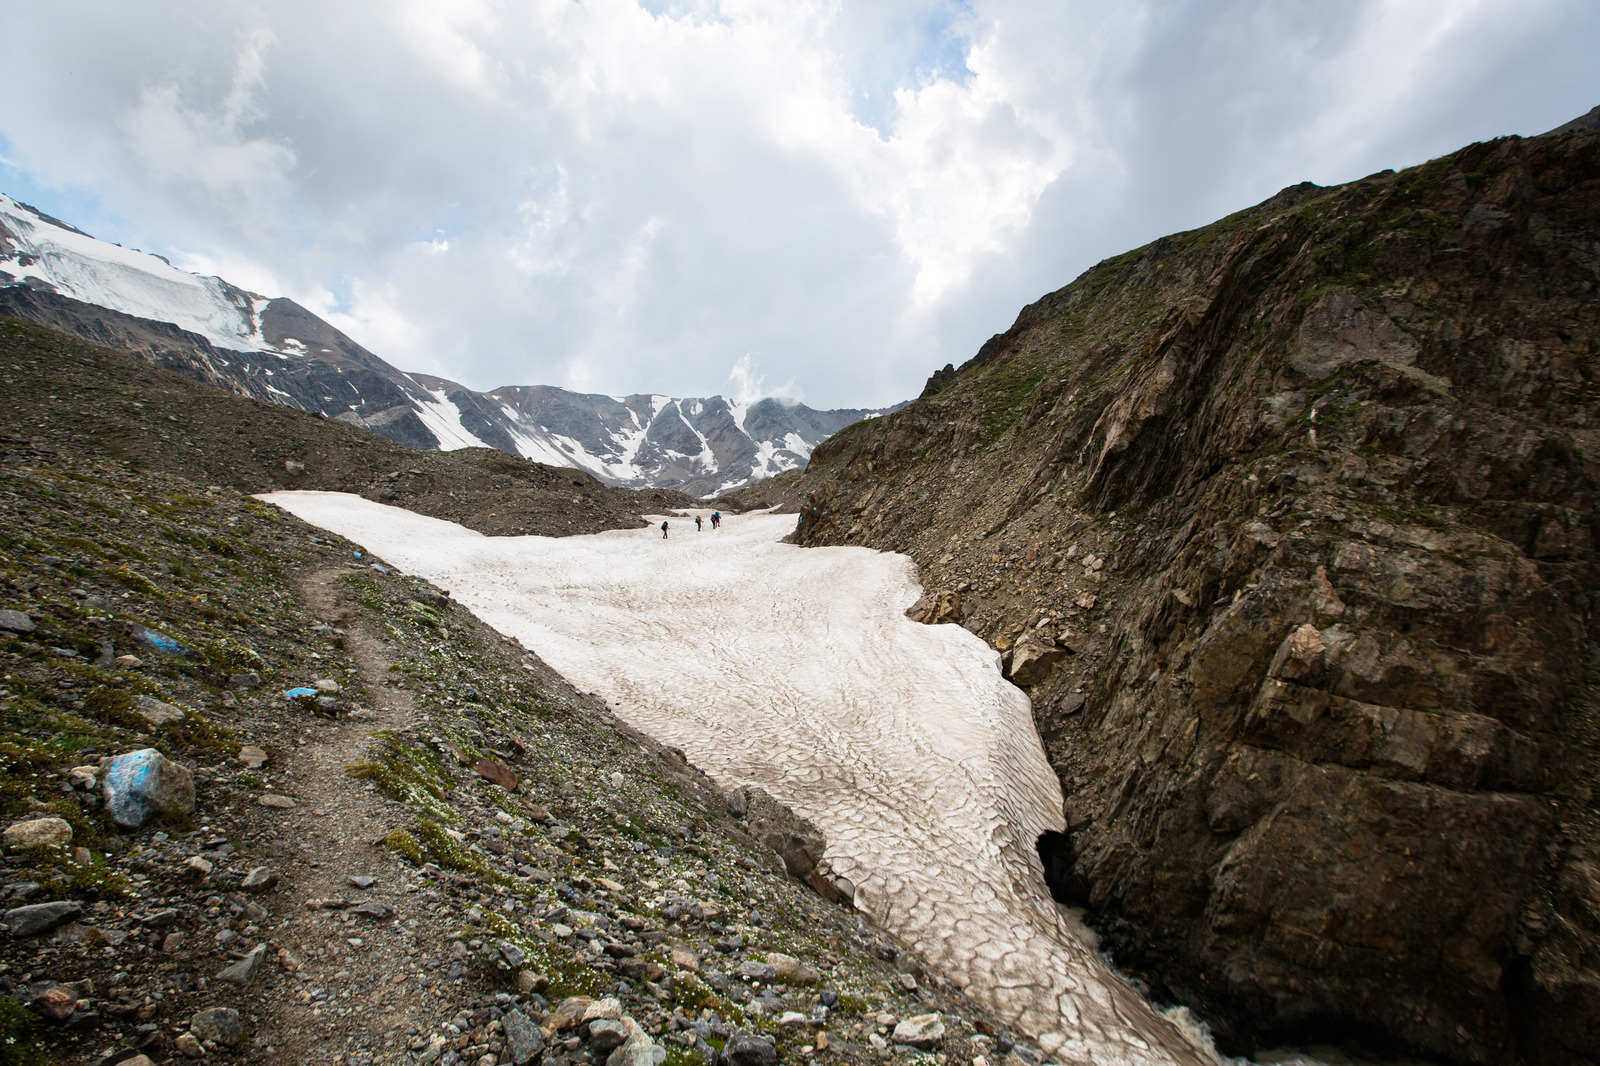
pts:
[697, 523]
[663, 531]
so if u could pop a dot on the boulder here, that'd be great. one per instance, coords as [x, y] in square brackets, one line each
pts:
[796, 841]
[155, 713]
[606, 1036]
[748, 1049]
[497, 773]
[220, 1024]
[1033, 659]
[16, 622]
[39, 833]
[524, 1039]
[37, 918]
[637, 1050]
[144, 782]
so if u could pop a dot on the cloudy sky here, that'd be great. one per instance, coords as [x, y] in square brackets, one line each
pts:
[826, 200]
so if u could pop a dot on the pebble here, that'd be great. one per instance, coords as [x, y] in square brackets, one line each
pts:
[372, 908]
[272, 799]
[38, 833]
[251, 757]
[921, 1031]
[362, 880]
[327, 686]
[155, 712]
[54, 1001]
[187, 1044]
[172, 942]
[199, 865]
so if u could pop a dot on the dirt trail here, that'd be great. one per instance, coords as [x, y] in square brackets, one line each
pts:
[372, 966]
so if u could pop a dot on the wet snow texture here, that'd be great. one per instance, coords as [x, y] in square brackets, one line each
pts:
[796, 670]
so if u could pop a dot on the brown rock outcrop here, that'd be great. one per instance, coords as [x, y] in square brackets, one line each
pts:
[1314, 490]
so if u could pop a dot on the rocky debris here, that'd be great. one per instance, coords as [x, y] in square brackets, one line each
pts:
[145, 782]
[795, 841]
[35, 919]
[39, 833]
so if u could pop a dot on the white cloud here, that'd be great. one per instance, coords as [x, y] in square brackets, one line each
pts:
[628, 199]
[747, 384]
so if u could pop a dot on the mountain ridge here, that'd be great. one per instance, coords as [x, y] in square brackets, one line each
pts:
[274, 349]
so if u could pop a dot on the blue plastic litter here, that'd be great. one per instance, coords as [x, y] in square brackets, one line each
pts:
[295, 693]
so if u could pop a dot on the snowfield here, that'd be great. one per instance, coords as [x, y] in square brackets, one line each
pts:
[797, 670]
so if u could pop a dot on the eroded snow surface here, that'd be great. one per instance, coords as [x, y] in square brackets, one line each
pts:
[797, 670]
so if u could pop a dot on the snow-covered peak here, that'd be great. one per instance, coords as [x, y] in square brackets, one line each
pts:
[44, 253]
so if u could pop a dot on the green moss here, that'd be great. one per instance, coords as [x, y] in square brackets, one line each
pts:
[228, 656]
[409, 774]
[405, 845]
[852, 1004]
[134, 581]
[453, 855]
[425, 614]
[198, 731]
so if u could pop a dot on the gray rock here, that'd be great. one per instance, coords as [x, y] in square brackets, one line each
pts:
[249, 679]
[512, 954]
[922, 1031]
[363, 881]
[16, 622]
[39, 833]
[525, 1040]
[748, 1049]
[607, 1036]
[38, 918]
[244, 971]
[756, 971]
[275, 800]
[374, 909]
[797, 842]
[259, 879]
[143, 782]
[221, 1024]
[160, 919]
[637, 1050]
[155, 712]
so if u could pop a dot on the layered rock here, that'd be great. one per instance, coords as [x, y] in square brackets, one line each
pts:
[1290, 522]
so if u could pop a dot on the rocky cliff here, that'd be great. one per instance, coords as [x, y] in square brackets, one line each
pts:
[1288, 524]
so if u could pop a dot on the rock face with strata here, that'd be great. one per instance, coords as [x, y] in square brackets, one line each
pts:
[1302, 506]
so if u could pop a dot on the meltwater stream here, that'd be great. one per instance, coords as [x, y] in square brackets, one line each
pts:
[797, 670]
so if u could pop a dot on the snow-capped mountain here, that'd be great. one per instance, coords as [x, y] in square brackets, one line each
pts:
[273, 349]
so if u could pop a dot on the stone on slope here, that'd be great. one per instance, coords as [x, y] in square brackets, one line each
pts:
[144, 782]
[748, 1049]
[39, 833]
[921, 1031]
[220, 1024]
[524, 1039]
[497, 773]
[796, 841]
[243, 972]
[155, 713]
[37, 918]
[16, 622]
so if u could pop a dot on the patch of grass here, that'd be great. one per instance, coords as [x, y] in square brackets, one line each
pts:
[198, 731]
[405, 845]
[19, 1043]
[453, 855]
[852, 1004]
[409, 774]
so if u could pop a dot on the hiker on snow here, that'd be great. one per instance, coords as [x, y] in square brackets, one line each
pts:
[697, 523]
[663, 531]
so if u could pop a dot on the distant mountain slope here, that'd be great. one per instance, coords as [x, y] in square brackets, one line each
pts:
[273, 349]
